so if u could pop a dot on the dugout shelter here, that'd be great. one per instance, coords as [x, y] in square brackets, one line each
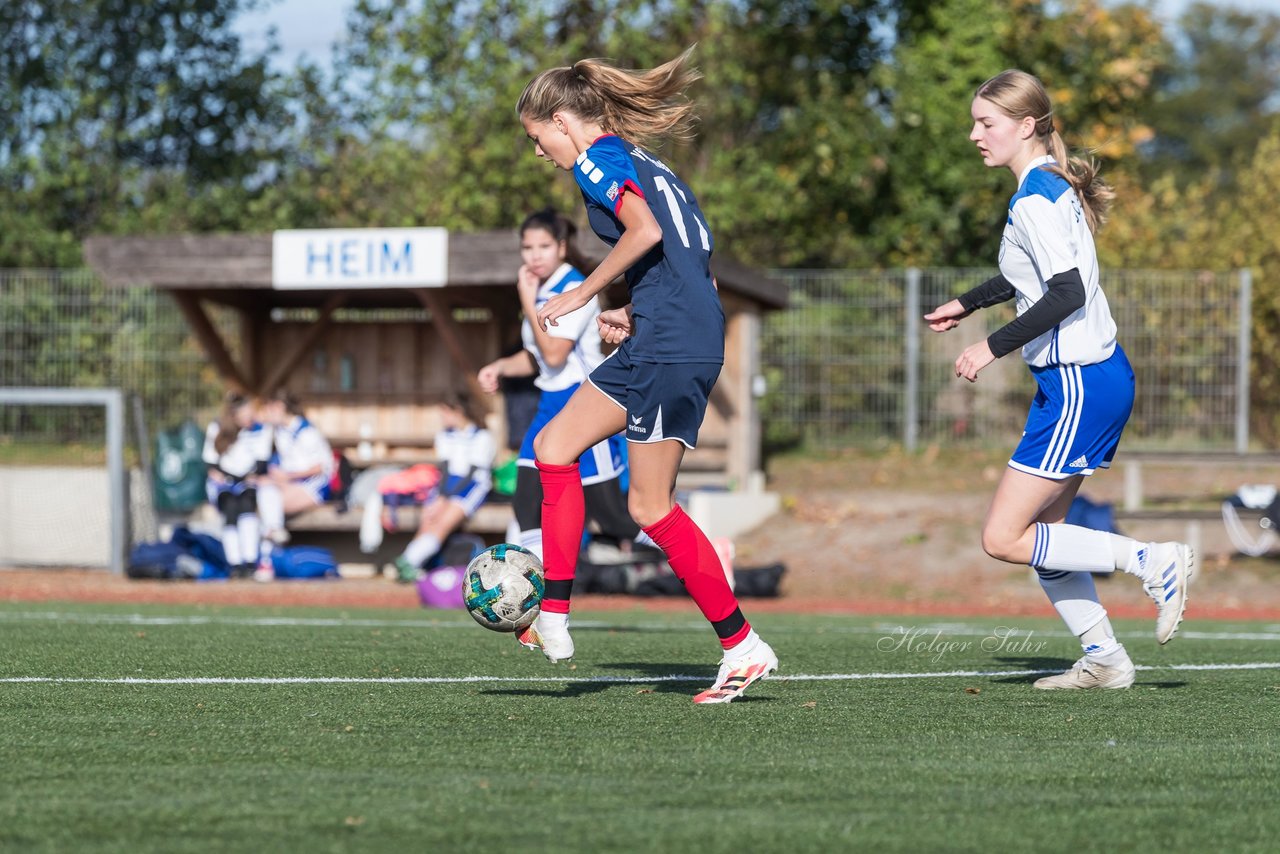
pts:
[372, 328]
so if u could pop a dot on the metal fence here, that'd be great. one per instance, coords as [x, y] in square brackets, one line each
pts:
[850, 362]
[66, 329]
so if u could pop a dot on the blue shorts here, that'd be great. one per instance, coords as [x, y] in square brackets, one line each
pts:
[603, 461]
[1076, 418]
[317, 486]
[466, 493]
[213, 489]
[662, 401]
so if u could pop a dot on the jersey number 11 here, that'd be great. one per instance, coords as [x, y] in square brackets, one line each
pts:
[677, 216]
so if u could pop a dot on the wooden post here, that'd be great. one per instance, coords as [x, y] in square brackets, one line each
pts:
[290, 361]
[452, 338]
[189, 305]
[252, 323]
[747, 427]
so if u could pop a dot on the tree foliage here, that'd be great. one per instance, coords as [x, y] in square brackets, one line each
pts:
[99, 98]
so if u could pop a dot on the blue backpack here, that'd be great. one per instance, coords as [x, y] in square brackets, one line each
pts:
[304, 562]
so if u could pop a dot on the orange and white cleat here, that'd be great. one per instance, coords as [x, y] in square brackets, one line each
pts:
[553, 640]
[735, 677]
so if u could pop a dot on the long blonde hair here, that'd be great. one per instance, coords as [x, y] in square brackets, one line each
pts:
[1020, 95]
[641, 106]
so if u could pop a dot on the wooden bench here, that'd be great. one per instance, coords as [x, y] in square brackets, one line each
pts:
[1134, 463]
[1193, 518]
[490, 518]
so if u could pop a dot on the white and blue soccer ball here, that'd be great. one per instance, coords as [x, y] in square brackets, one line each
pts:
[503, 588]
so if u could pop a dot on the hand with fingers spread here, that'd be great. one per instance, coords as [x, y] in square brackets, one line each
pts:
[561, 304]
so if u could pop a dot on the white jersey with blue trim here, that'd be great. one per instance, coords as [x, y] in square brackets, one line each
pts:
[300, 446]
[1047, 234]
[467, 453]
[577, 326]
[252, 445]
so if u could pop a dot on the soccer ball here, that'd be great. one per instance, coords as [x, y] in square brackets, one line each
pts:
[502, 588]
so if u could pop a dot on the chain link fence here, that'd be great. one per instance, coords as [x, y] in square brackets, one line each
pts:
[66, 329]
[850, 362]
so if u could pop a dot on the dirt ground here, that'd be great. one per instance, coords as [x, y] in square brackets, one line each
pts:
[860, 532]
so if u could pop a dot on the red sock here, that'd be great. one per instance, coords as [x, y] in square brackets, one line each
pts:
[698, 567]
[563, 515]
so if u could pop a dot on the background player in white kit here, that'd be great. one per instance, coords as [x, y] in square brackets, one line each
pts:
[1085, 384]
[300, 471]
[464, 451]
[236, 450]
[561, 357]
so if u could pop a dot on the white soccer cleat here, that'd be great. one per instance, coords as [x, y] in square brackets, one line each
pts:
[1086, 674]
[736, 676]
[554, 641]
[1175, 565]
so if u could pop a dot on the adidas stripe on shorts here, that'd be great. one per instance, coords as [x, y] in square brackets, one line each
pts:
[1076, 418]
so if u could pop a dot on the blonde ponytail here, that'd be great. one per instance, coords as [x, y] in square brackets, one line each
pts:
[1095, 194]
[641, 106]
[1018, 95]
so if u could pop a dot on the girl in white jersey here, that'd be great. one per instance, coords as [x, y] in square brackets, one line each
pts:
[236, 450]
[464, 452]
[562, 357]
[301, 467]
[1085, 385]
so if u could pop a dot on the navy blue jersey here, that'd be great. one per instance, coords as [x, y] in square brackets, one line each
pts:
[677, 315]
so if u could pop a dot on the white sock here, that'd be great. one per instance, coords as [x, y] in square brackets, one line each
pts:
[1100, 645]
[645, 540]
[548, 620]
[250, 536]
[1136, 560]
[1074, 598]
[422, 547]
[746, 646]
[231, 545]
[1071, 548]
[271, 507]
[371, 525]
[531, 540]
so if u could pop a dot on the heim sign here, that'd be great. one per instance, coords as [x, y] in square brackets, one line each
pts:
[360, 258]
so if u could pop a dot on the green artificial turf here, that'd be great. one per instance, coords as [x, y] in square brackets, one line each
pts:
[1184, 760]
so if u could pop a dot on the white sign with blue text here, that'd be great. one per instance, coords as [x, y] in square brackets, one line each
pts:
[360, 258]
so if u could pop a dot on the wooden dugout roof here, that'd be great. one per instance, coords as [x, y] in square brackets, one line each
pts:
[235, 269]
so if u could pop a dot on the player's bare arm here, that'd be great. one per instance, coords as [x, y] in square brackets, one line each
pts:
[641, 235]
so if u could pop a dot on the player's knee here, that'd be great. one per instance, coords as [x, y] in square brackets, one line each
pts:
[998, 544]
[548, 450]
[648, 510]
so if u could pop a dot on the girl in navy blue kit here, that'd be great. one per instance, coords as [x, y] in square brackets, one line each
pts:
[592, 119]
[1085, 385]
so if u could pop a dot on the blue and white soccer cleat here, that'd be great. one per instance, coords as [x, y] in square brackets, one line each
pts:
[1175, 565]
[552, 639]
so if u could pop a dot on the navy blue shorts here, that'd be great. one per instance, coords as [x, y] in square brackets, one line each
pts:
[662, 401]
[1076, 419]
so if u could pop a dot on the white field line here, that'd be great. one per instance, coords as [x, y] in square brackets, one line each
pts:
[923, 630]
[605, 679]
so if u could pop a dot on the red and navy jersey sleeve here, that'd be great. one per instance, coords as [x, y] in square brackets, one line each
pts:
[605, 172]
